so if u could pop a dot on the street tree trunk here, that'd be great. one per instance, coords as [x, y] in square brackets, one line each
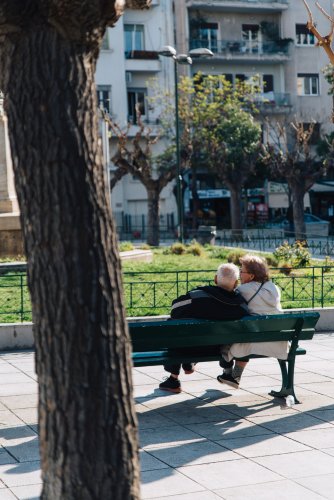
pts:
[236, 214]
[195, 197]
[297, 196]
[88, 437]
[153, 209]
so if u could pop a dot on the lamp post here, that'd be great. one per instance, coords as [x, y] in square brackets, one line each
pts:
[169, 51]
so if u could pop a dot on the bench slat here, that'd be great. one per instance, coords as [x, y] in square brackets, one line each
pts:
[157, 335]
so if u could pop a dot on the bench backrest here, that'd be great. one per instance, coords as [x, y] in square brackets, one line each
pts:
[171, 334]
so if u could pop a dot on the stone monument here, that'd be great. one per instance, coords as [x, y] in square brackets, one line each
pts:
[11, 243]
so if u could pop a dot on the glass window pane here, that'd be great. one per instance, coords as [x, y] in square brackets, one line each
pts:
[128, 41]
[314, 81]
[139, 38]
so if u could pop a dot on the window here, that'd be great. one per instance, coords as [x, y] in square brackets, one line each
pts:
[251, 35]
[136, 102]
[228, 78]
[304, 36]
[307, 84]
[104, 97]
[268, 83]
[208, 34]
[241, 78]
[105, 41]
[133, 38]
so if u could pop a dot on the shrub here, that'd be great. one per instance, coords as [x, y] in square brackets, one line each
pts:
[234, 256]
[297, 255]
[328, 264]
[177, 249]
[271, 260]
[145, 246]
[195, 249]
[218, 253]
[286, 268]
[126, 246]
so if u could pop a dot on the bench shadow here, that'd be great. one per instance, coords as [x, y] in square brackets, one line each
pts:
[192, 431]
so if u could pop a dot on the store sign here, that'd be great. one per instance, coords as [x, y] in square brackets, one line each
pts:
[205, 194]
[277, 188]
[255, 192]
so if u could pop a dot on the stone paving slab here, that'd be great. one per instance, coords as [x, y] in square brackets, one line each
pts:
[207, 443]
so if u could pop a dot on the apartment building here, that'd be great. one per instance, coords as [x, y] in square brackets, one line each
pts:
[268, 38]
[127, 64]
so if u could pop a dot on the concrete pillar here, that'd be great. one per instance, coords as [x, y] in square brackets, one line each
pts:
[11, 244]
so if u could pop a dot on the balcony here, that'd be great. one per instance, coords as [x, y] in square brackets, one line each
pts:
[269, 6]
[142, 61]
[245, 50]
[273, 103]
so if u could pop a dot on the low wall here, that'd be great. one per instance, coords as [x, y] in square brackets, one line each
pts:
[19, 335]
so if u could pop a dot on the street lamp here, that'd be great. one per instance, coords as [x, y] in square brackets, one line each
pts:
[168, 51]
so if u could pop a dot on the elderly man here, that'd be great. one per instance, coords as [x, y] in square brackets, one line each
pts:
[220, 302]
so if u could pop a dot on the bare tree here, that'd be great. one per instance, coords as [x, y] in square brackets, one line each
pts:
[323, 41]
[134, 156]
[290, 157]
[88, 436]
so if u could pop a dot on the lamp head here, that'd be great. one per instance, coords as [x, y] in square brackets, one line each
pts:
[183, 59]
[167, 51]
[200, 52]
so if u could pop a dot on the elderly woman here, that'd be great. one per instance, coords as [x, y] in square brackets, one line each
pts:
[262, 297]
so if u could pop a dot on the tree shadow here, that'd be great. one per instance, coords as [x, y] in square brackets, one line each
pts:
[21, 444]
[192, 431]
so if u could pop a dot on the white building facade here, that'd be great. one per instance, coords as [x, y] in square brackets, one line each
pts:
[258, 37]
[127, 63]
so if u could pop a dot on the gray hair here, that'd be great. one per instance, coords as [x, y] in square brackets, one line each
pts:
[227, 274]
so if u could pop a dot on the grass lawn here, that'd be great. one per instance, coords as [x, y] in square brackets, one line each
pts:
[149, 288]
[152, 290]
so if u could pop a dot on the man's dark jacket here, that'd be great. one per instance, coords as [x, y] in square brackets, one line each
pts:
[209, 302]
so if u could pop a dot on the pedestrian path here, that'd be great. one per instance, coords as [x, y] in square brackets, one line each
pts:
[209, 442]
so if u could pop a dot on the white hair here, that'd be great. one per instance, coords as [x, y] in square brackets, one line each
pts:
[227, 274]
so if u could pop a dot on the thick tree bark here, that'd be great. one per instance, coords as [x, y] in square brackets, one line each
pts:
[153, 236]
[297, 196]
[88, 438]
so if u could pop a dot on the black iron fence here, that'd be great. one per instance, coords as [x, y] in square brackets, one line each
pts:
[151, 293]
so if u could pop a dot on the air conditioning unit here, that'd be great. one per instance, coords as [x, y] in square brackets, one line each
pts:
[128, 76]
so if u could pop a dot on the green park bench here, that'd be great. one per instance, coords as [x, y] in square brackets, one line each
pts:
[195, 340]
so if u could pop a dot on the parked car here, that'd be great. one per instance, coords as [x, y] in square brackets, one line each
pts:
[314, 226]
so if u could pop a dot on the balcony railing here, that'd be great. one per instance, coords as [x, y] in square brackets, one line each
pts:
[241, 4]
[141, 54]
[273, 100]
[243, 47]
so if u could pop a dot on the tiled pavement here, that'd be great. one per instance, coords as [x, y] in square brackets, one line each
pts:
[206, 443]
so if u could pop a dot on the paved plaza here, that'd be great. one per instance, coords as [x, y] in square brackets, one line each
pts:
[206, 443]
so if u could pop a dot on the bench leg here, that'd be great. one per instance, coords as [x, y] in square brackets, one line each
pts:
[287, 388]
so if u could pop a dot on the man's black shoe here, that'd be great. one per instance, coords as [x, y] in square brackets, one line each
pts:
[171, 384]
[224, 378]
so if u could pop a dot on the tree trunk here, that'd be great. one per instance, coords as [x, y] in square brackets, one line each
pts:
[88, 438]
[236, 215]
[153, 236]
[297, 195]
[195, 198]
